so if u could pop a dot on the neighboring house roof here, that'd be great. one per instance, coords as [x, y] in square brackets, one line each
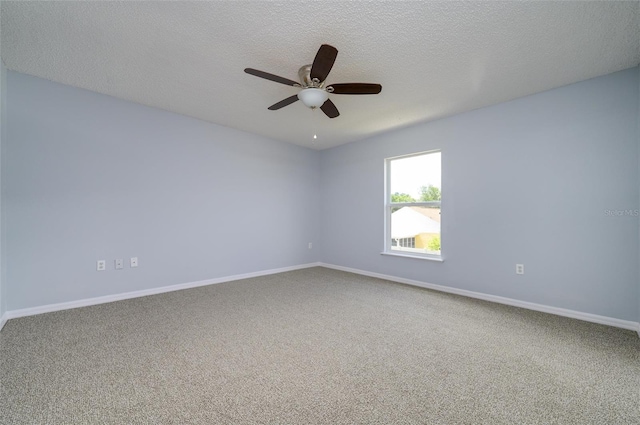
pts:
[408, 222]
[432, 213]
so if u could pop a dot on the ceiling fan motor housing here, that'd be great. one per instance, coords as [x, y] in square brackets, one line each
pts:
[304, 73]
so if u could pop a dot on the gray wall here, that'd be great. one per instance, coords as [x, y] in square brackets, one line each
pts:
[91, 177]
[3, 128]
[527, 181]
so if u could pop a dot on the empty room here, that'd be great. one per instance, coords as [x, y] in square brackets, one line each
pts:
[252, 212]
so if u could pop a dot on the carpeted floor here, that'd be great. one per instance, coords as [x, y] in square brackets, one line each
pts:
[315, 346]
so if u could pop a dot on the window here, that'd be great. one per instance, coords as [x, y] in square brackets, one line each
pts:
[412, 205]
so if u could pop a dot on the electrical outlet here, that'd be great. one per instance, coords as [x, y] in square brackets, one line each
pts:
[101, 265]
[310, 245]
[519, 268]
[119, 263]
[134, 262]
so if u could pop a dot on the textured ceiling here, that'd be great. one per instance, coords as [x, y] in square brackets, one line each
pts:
[433, 59]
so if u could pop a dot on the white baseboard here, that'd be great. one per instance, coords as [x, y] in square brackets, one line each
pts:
[587, 317]
[3, 320]
[32, 311]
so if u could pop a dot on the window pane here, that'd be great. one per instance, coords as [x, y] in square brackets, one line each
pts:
[416, 229]
[415, 178]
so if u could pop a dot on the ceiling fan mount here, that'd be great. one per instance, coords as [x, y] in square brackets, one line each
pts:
[314, 91]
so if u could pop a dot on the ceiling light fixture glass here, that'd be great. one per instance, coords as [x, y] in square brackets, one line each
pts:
[313, 98]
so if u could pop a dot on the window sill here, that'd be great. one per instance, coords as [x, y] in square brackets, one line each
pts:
[418, 257]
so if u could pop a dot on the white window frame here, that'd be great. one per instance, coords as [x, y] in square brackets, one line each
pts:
[388, 206]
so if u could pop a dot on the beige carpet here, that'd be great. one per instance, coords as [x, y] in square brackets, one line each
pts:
[315, 346]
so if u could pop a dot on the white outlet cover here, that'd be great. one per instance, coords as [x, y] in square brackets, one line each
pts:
[134, 262]
[119, 264]
[101, 265]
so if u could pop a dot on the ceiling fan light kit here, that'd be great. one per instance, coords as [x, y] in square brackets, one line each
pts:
[313, 98]
[314, 93]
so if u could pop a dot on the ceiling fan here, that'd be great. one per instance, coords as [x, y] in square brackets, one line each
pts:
[315, 91]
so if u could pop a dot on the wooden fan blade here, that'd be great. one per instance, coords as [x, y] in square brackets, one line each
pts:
[283, 103]
[330, 109]
[271, 77]
[356, 88]
[323, 62]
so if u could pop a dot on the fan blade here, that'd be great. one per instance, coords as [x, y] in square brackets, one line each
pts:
[283, 103]
[271, 77]
[323, 62]
[356, 88]
[330, 109]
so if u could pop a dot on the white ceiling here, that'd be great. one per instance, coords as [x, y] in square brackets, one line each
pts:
[433, 59]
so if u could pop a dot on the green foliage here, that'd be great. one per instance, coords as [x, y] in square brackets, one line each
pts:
[434, 244]
[402, 197]
[430, 193]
